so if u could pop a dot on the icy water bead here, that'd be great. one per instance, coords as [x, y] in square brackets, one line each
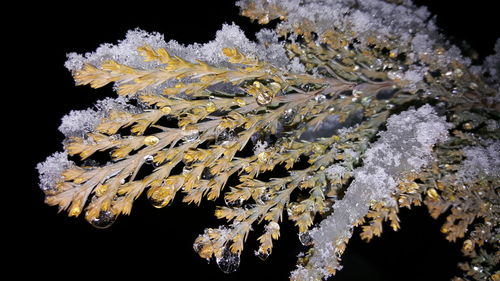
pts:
[288, 116]
[305, 238]
[162, 196]
[320, 98]
[151, 140]
[210, 107]
[190, 133]
[166, 109]
[148, 159]
[234, 204]
[263, 255]
[104, 220]
[229, 261]
[160, 203]
[264, 98]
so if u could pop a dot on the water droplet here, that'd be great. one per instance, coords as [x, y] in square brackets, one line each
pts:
[151, 140]
[240, 102]
[288, 116]
[162, 196]
[468, 126]
[234, 204]
[264, 98]
[305, 238]
[275, 87]
[104, 220]
[394, 75]
[274, 226]
[90, 163]
[393, 53]
[458, 72]
[387, 66]
[377, 64]
[190, 133]
[320, 98]
[225, 135]
[166, 109]
[357, 93]
[229, 261]
[160, 203]
[366, 101]
[440, 50]
[186, 170]
[148, 159]
[468, 245]
[292, 209]
[264, 156]
[263, 254]
[210, 107]
[206, 175]
[264, 197]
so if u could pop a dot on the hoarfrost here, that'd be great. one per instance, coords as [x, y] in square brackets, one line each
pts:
[125, 51]
[80, 122]
[491, 66]
[481, 160]
[50, 170]
[335, 171]
[492, 125]
[260, 146]
[405, 147]
[413, 27]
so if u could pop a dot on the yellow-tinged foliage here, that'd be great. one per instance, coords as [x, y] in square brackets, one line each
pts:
[214, 127]
[377, 215]
[237, 57]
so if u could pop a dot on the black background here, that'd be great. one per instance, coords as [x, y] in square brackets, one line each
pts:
[157, 243]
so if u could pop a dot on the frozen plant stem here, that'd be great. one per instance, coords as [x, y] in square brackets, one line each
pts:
[380, 109]
[404, 148]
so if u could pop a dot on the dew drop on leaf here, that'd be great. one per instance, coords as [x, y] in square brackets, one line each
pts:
[161, 202]
[162, 197]
[264, 98]
[320, 98]
[229, 261]
[305, 238]
[148, 159]
[234, 204]
[224, 136]
[190, 133]
[288, 116]
[365, 101]
[151, 140]
[104, 220]
[263, 255]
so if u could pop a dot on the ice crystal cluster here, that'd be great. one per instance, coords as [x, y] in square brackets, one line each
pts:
[379, 109]
[405, 147]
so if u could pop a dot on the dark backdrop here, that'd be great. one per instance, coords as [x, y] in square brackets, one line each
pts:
[157, 243]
